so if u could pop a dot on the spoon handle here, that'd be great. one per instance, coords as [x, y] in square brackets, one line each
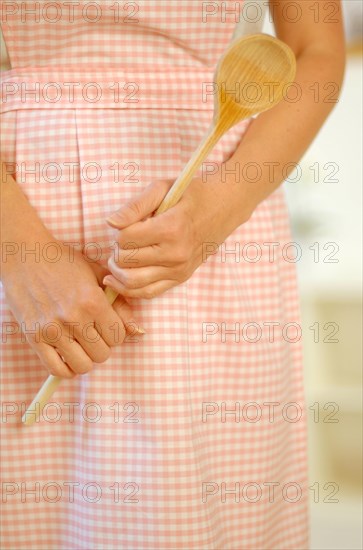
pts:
[33, 412]
[183, 180]
[35, 409]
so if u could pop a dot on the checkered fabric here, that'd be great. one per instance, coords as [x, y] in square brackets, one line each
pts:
[192, 436]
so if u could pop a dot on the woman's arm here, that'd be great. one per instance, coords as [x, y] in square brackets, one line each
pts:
[171, 246]
[281, 135]
[17, 216]
[56, 304]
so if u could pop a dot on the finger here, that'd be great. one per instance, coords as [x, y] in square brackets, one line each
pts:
[109, 326]
[140, 206]
[152, 231]
[75, 356]
[81, 343]
[90, 336]
[52, 361]
[137, 277]
[144, 257]
[147, 292]
[99, 271]
[123, 309]
[125, 313]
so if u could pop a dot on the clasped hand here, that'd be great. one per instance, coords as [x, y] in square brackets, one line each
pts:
[156, 253]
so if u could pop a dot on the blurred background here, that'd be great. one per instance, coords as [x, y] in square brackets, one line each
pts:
[325, 204]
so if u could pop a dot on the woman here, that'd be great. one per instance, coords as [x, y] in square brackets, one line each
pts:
[190, 434]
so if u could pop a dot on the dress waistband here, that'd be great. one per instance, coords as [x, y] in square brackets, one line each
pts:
[108, 86]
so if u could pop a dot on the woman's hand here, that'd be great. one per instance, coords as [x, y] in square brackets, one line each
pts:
[64, 312]
[163, 251]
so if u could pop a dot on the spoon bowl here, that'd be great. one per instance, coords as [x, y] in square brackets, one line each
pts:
[251, 77]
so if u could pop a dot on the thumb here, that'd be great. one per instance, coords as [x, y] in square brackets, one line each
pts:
[142, 205]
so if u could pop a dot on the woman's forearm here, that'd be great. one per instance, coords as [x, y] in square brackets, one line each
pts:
[278, 138]
[20, 223]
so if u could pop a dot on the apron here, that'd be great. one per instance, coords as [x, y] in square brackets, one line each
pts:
[194, 434]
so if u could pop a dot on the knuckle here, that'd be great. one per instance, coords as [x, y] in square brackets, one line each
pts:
[83, 367]
[60, 371]
[91, 301]
[68, 314]
[52, 331]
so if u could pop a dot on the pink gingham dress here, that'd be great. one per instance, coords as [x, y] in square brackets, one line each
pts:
[191, 436]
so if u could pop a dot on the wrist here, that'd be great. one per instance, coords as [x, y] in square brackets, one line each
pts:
[27, 252]
[22, 231]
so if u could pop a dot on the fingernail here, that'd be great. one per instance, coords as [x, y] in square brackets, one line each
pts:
[115, 220]
[138, 328]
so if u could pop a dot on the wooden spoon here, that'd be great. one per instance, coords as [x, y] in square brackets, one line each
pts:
[262, 66]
